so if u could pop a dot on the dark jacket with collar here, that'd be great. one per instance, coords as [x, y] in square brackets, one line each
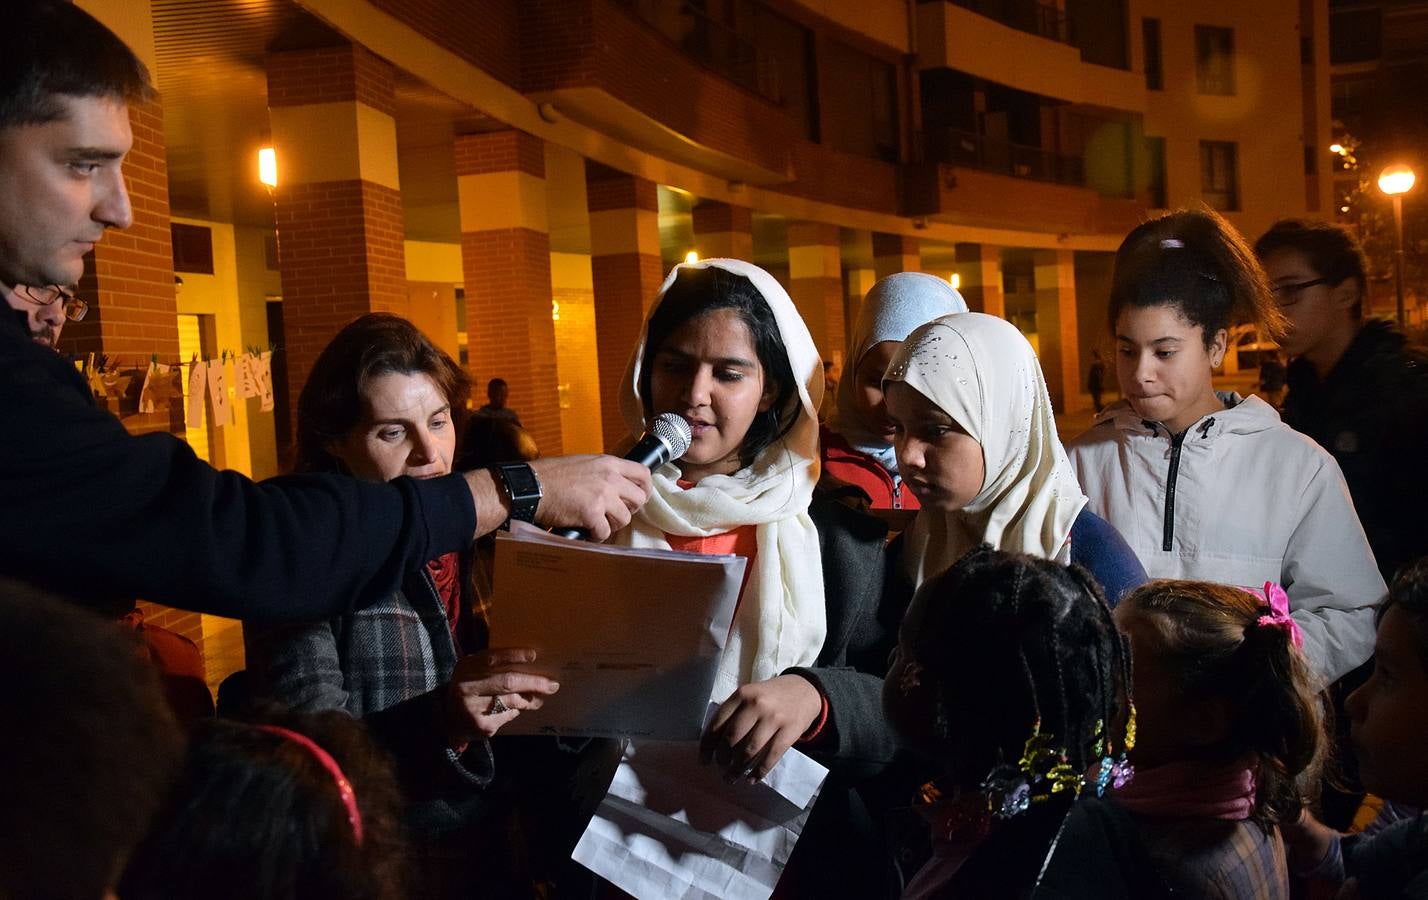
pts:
[1371, 412]
[92, 511]
[389, 665]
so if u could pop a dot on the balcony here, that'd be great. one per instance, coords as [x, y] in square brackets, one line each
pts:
[971, 195]
[977, 151]
[1031, 16]
[954, 36]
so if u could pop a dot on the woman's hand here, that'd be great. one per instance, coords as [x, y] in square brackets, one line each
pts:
[750, 732]
[485, 693]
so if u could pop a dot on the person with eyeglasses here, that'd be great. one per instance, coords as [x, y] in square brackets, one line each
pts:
[1356, 385]
[45, 310]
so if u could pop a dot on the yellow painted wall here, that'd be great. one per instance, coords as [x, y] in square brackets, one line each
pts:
[1265, 117]
[235, 296]
[577, 367]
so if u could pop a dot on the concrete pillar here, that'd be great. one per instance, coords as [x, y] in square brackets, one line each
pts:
[505, 256]
[1055, 278]
[980, 268]
[339, 204]
[723, 230]
[626, 269]
[815, 282]
[893, 253]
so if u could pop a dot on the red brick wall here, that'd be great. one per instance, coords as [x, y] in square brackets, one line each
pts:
[129, 278]
[330, 75]
[624, 284]
[484, 32]
[341, 254]
[500, 151]
[509, 330]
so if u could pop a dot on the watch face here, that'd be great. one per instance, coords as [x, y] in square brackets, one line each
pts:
[521, 481]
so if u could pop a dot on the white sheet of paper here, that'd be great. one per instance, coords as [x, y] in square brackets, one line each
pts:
[672, 828]
[197, 387]
[218, 393]
[265, 380]
[146, 393]
[247, 376]
[633, 636]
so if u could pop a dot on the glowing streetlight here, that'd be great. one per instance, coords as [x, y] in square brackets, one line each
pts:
[1396, 181]
[268, 167]
[1337, 148]
[955, 281]
[692, 256]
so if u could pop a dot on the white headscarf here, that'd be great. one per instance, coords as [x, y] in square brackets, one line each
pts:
[982, 372]
[893, 308]
[781, 621]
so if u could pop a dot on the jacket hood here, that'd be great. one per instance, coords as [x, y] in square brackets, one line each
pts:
[1241, 415]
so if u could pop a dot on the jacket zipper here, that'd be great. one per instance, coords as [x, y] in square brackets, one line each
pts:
[897, 494]
[1176, 441]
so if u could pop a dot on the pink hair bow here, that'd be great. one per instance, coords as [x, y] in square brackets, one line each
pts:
[1278, 616]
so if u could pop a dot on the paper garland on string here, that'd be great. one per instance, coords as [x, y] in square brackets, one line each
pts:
[254, 378]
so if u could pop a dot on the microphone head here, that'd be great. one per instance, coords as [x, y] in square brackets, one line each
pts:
[674, 431]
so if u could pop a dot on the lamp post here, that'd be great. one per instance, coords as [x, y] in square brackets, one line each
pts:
[1395, 181]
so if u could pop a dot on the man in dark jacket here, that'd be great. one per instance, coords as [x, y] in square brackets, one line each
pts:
[89, 510]
[1356, 386]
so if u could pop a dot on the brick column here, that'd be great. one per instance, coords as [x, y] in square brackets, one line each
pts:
[505, 256]
[815, 281]
[724, 231]
[626, 267]
[980, 269]
[339, 205]
[129, 278]
[1055, 277]
[893, 253]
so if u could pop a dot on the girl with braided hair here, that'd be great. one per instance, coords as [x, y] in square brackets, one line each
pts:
[1009, 674]
[1229, 720]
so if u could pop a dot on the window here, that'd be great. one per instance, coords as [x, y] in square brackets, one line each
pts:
[192, 248]
[1150, 34]
[1219, 182]
[1155, 168]
[1215, 60]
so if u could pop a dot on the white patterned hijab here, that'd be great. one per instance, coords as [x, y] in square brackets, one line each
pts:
[981, 371]
[781, 621]
[893, 308]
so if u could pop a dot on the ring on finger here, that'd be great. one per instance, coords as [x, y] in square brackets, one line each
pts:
[498, 706]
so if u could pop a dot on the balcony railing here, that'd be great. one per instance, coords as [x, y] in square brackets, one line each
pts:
[1032, 16]
[711, 43]
[977, 151]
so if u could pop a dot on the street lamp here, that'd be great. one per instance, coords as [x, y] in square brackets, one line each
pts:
[1395, 181]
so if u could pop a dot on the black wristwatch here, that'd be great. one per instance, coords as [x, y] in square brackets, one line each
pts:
[523, 488]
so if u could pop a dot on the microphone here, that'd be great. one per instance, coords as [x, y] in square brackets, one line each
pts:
[668, 439]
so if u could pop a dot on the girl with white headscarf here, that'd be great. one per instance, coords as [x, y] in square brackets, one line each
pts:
[977, 443]
[857, 444]
[725, 348]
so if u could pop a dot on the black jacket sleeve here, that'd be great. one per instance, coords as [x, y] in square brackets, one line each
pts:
[862, 631]
[93, 512]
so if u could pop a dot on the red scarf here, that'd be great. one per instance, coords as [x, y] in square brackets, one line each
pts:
[1193, 790]
[445, 571]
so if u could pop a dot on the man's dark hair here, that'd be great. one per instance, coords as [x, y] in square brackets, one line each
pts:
[90, 751]
[495, 383]
[1409, 592]
[56, 49]
[1332, 251]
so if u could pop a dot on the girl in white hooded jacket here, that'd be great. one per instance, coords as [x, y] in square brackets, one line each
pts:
[1211, 486]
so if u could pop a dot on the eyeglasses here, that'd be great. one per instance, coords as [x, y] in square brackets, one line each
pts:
[1288, 294]
[74, 308]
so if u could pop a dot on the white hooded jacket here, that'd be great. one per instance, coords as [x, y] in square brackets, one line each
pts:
[1240, 499]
